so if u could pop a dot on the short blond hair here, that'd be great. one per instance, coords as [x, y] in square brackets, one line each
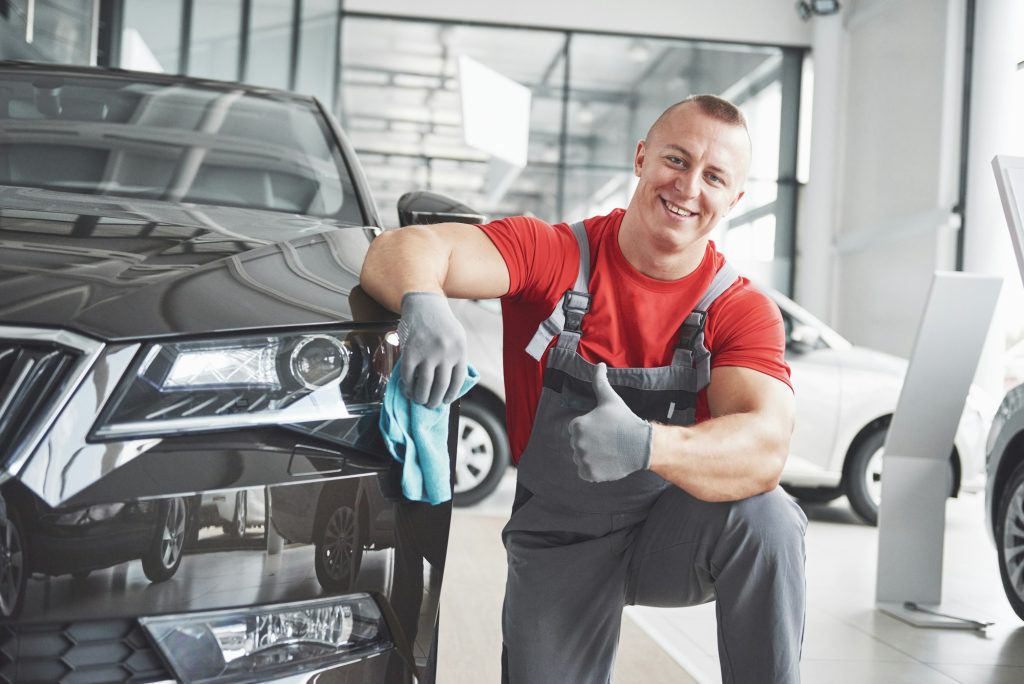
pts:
[716, 107]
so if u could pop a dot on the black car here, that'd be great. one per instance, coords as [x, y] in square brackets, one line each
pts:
[180, 320]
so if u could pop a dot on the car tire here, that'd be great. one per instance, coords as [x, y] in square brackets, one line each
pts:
[13, 563]
[163, 557]
[814, 494]
[338, 550]
[236, 527]
[862, 479]
[1009, 534]
[483, 453]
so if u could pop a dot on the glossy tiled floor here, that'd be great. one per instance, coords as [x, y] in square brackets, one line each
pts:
[847, 640]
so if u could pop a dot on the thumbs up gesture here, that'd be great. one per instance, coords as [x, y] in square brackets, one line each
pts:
[611, 441]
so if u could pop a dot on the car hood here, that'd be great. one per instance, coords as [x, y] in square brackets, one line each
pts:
[869, 360]
[124, 269]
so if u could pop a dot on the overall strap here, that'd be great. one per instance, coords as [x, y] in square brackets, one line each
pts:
[567, 317]
[691, 334]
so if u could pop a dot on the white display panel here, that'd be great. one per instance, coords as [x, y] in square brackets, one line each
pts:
[1010, 180]
[912, 515]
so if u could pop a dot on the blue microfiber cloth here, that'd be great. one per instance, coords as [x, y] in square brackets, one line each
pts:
[417, 437]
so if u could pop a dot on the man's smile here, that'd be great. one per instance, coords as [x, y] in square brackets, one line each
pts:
[677, 210]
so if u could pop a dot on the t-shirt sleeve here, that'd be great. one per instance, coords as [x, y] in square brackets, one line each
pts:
[747, 331]
[536, 254]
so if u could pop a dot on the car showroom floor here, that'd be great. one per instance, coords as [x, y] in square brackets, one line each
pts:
[846, 641]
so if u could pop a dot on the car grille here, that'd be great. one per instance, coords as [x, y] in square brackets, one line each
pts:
[78, 653]
[32, 375]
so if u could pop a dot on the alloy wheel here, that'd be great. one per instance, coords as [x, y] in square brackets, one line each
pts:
[339, 542]
[1013, 540]
[475, 456]
[12, 566]
[873, 477]
[173, 536]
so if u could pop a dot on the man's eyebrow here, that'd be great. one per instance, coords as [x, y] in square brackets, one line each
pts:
[711, 167]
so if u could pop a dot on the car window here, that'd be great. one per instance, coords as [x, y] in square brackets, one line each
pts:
[171, 141]
[792, 345]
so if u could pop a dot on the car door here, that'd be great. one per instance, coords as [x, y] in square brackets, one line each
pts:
[817, 381]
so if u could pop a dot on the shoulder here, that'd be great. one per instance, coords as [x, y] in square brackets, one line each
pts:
[536, 252]
[745, 329]
[744, 306]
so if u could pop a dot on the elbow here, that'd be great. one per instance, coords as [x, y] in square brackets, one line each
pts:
[773, 464]
[376, 255]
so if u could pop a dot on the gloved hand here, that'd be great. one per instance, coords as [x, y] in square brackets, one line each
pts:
[433, 345]
[611, 441]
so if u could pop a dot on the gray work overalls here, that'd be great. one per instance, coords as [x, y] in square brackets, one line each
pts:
[579, 551]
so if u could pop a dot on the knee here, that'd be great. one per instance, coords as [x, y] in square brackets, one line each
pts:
[771, 520]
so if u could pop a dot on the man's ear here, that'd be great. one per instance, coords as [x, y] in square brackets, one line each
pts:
[638, 158]
[737, 199]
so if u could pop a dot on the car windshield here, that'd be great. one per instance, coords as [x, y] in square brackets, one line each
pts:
[171, 141]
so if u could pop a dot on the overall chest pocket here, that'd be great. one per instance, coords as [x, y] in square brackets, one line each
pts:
[578, 395]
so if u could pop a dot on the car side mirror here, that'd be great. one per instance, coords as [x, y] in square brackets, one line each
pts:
[423, 207]
[804, 338]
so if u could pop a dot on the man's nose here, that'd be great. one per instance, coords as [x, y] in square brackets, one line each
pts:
[688, 184]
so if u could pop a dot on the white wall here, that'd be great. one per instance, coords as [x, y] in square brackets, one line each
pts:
[899, 165]
[897, 129]
[763, 21]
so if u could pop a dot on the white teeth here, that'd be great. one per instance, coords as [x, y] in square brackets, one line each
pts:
[679, 211]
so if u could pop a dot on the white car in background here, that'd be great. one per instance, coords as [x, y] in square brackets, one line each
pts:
[845, 399]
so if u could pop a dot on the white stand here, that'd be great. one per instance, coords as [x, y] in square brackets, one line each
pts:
[916, 482]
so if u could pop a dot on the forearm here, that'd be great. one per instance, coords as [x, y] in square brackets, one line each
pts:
[727, 458]
[413, 259]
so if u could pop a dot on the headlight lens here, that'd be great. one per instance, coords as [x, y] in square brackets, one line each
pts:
[256, 380]
[254, 643]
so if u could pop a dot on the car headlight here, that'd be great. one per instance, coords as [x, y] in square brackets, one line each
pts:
[252, 644]
[192, 386]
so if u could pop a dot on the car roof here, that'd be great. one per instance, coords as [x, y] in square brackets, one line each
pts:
[145, 77]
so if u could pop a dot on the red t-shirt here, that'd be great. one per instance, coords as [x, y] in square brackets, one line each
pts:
[634, 320]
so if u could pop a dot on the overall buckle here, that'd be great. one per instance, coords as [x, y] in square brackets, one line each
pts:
[575, 305]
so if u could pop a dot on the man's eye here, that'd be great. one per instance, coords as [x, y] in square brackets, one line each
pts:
[715, 179]
[675, 160]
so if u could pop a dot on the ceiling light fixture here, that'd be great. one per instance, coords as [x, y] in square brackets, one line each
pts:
[638, 52]
[808, 8]
[585, 115]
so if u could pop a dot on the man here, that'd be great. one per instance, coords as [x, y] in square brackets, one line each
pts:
[651, 434]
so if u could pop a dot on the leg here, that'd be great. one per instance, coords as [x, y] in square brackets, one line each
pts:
[749, 555]
[564, 596]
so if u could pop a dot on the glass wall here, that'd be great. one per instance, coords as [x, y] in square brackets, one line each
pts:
[215, 39]
[151, 35]
[270, 36]
[402, 108]
[48, 30]
[396, 85]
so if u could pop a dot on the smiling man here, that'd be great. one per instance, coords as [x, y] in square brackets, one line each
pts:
[649, 409]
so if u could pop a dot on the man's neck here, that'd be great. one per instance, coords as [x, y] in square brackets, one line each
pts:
[657, 262]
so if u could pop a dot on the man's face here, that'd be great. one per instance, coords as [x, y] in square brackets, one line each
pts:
[691, 170]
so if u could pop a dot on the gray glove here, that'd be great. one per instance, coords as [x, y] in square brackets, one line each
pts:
[611, 441]
[433, 345]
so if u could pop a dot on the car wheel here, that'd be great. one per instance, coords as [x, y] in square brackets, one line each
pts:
[236, 528]
[162, 559]
[814, 494]
[338, 550]
[863, 477]
[13, 564]
[1009, 534]
[483, 454]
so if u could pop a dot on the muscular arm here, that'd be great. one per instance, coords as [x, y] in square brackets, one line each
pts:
[741, 449]
[456, 259]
